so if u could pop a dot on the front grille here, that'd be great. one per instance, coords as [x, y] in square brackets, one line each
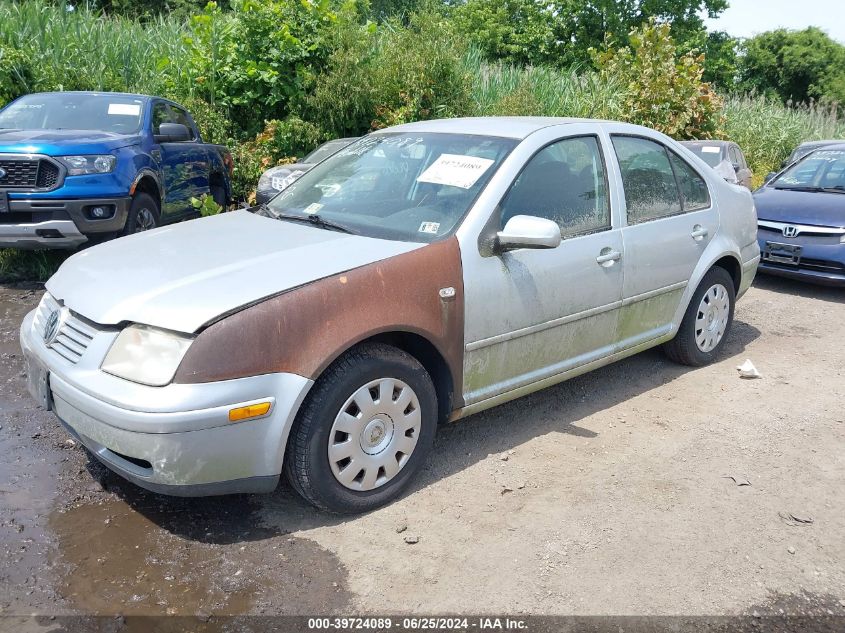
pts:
[74, 335]
[29, 173]
[48, 175]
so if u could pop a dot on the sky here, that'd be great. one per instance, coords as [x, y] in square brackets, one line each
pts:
[745, 18]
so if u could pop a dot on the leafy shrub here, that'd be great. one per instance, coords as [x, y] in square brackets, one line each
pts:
[262, 52]
[663, 91]
[16, 75]
[397, 74]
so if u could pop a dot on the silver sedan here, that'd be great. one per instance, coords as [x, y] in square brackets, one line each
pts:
[424, 273]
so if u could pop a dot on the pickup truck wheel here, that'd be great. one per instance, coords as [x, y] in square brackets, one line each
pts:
[707, 321]
[363, 431]
[143, 215]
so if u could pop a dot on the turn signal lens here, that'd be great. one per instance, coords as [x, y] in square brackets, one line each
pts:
[250, 411]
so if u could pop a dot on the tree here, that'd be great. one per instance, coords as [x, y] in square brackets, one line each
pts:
[794, 65]
[563, 31]
[664, 90]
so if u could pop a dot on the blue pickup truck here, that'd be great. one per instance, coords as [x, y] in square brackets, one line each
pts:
[79, 167]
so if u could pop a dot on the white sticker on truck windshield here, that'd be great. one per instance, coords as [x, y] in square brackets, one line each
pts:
[710, 149]
[430, 227]
[313, 208]
[455, 170]
[126, 109]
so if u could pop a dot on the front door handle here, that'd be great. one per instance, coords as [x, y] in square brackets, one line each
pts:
[698, 233]
[608, 256]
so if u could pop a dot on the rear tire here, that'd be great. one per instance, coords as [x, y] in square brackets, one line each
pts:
[707, 321]
[364, 430]
[144, 214]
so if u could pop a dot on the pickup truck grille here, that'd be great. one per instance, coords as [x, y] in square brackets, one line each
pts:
[28, 172]
[74, 335]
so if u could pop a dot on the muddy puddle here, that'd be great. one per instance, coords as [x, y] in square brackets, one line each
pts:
[77, 539]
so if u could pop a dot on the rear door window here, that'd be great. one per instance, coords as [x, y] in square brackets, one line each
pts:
[651, 191]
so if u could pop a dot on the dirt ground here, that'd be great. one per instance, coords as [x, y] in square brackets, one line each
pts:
[641, 488]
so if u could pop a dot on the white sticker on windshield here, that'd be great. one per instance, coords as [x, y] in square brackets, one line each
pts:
[312, 208]
[455, 170]
[710, 149]
[126, 109]
[429, 227]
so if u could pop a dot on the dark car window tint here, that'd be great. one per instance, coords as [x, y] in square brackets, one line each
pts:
[564, 182]
[647, 177]
[694, 191]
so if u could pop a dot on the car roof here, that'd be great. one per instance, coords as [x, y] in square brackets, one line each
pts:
[516, 127]
[820, 143]
[837, 145]
[700, 143]
[95, 93]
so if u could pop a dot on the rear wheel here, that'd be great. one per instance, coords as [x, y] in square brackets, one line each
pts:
[707, 321]
[364, 430]
[144, 214]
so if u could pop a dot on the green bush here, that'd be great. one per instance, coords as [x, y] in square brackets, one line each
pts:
[663, 90]
[16, 77]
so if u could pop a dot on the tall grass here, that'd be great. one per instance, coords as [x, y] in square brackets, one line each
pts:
[502, 89]
[768, 131]
[79, 49]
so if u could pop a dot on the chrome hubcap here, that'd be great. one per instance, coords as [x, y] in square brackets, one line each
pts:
[712, 318]
[146, 220]
[374, 434]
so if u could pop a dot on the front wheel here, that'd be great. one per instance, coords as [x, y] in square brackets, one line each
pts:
[364, 430]
[143, 215]
[706, 322]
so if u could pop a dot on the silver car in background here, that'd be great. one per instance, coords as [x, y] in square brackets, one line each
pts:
[422, 274]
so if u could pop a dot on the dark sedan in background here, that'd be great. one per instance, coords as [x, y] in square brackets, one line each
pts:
[801, 219]
[278, 178]
[806, 147]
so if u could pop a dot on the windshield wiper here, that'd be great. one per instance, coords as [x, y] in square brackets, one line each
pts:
[799, 188]
[311, 218]
[836, 189]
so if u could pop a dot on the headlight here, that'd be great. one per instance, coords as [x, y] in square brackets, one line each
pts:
[147, 355]
[82, 165]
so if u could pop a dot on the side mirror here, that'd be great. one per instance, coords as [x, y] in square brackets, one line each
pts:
[736, 166]
[526, 231]
[172, 133]
[769, 176]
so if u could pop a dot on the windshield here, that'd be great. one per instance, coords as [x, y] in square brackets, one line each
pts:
[73, 111]
[710, 154]
[409, 187]
[820, 170]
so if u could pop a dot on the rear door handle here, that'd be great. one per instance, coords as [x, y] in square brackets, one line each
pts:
[608, 256]
[699, 233]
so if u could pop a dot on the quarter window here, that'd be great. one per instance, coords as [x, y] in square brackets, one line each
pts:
[564, 182]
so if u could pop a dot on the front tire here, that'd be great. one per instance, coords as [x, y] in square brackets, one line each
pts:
[144, 214]
[707, 321]
[364, 430]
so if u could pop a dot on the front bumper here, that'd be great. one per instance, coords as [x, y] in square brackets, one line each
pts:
[176, 439]
[48, 223]
[822, 258]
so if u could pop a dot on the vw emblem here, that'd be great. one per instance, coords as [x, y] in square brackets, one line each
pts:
[54, 325]
[790, 231]
[2, 173]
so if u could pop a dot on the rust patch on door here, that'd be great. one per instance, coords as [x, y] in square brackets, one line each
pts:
[304, 330]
